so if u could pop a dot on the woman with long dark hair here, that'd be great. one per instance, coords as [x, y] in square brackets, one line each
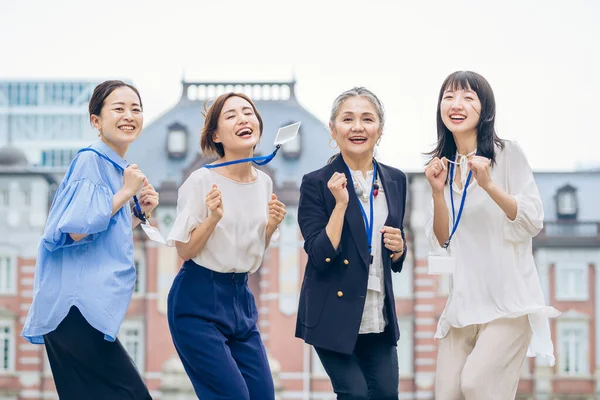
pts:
[486, 210]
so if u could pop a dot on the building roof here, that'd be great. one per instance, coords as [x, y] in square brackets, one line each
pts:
[587, 185]
[149, 151]
[11, 157]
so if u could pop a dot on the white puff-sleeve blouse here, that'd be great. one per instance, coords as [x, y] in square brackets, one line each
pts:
[238, 242]
[495, 275]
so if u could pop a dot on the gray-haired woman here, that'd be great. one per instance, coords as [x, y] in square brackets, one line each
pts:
[351, 214]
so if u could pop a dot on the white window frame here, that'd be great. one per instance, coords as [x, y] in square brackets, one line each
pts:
[405, 348]
[573, 293]
[10, 324]
[139, 258]
[583, 361]
[316, 367]
[567, 203]
[403, 282]
[177, 141]
[4, 197]
[8, 262]
[124, 338]
[289, 245]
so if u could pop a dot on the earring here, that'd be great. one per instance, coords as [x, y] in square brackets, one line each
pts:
[378, 141]
[333, 147]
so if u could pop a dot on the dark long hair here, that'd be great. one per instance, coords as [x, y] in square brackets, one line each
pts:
[487, 138]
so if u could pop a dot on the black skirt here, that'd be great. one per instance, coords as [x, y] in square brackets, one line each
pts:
[86, 366]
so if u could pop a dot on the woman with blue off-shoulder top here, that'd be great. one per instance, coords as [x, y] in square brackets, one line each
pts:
[85, 272]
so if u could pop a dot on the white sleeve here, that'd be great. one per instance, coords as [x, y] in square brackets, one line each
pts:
[191, 210]
[434, 245]
[521, 185]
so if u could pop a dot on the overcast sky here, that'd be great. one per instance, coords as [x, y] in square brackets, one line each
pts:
[542, 58]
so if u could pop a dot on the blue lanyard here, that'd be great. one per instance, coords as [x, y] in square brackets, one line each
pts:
[256, 160]
[455, 219]
[137, 210]
[368, 221]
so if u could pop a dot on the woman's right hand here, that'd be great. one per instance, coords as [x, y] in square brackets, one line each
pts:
[133, 179]
[436, 173]
[337, 185]
[214, 202]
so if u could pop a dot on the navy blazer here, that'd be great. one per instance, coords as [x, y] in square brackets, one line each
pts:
[334, 289]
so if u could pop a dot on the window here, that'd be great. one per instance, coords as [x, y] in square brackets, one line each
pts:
[405, 347]
[403, 281]
[289, 262]
[566, 202]
[58, 157]
[177, 141]
[27, 197]
[4, 197]
[139, 261]
[8, 281]
[7, 351]
[573, 348]
[316, 368]
[572, 281]
[131, 336]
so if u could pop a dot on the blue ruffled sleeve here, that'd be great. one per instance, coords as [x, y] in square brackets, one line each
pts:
[81, 207]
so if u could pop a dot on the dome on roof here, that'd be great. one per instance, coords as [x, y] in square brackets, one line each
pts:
[12, 156]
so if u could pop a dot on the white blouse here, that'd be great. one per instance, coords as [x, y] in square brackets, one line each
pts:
[373, 317]
[495, 274]
[238, 242]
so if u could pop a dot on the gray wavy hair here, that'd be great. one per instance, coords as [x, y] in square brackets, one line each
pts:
[358, 91]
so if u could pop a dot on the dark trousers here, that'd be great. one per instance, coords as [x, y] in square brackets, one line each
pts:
[85, 366]
[370, 373]
[212, 318]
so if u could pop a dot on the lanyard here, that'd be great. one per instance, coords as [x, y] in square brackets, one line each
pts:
[256, 160]
[368, 221]
[456, 219]
[137, 210]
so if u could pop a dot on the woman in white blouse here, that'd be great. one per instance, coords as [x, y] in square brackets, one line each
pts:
[351, 215]
[496, 310]
[226, 217]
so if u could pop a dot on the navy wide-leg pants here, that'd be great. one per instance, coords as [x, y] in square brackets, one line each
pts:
[212, 317]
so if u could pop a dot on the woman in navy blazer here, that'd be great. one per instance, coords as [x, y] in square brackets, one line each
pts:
[351, 215]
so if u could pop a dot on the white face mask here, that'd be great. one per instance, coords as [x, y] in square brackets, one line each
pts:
[463, 163]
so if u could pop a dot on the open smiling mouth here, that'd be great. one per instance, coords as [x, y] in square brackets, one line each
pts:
[457, 117]
[244, 133]
[358, 139]
[127, 128]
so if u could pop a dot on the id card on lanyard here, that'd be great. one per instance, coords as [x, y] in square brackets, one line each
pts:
[441, 261]
[151, 231]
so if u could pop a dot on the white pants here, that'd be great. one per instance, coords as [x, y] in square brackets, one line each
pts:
[482, 362]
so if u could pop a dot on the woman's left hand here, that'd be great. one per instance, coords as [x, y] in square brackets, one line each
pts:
[481, 168]
[276, 212]
[392, 239]
[148, 198]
